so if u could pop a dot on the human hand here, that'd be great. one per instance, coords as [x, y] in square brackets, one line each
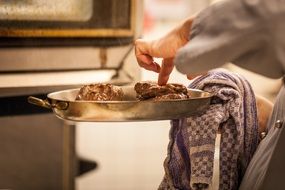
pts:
[164, 47]
[264, 110]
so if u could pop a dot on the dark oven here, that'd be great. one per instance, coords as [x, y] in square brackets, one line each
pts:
[47, 46]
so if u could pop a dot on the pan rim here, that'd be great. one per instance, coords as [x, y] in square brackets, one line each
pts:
[52, 94]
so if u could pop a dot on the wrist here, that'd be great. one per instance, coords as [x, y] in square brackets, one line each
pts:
[185, 30]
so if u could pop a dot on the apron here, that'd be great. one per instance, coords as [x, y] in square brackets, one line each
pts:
[266, 170]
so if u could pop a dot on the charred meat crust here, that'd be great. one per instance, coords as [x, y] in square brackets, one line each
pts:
[144, 91]
[100, 92]
[151, 90]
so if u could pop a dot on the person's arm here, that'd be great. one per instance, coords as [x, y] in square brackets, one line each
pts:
[249, 33]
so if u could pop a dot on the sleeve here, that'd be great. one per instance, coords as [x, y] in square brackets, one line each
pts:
[249, 33]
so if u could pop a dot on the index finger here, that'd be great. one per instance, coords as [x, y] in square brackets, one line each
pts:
[165, 71]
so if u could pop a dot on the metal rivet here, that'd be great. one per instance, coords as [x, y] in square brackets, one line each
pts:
[263, 135]
[278, 124]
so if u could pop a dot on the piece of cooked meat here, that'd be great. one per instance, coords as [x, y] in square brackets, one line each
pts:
[151, 90]
[100, 92]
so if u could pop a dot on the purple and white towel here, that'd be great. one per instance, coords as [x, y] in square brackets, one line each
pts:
[190, 158]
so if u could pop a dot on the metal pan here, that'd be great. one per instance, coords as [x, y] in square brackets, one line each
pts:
[65, 107]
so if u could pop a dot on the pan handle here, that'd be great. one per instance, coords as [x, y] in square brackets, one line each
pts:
[39, 102]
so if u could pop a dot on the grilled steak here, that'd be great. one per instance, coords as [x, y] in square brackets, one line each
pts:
[151, 90]
[100, 92]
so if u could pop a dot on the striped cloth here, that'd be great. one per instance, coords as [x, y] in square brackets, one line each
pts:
[190, 158]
